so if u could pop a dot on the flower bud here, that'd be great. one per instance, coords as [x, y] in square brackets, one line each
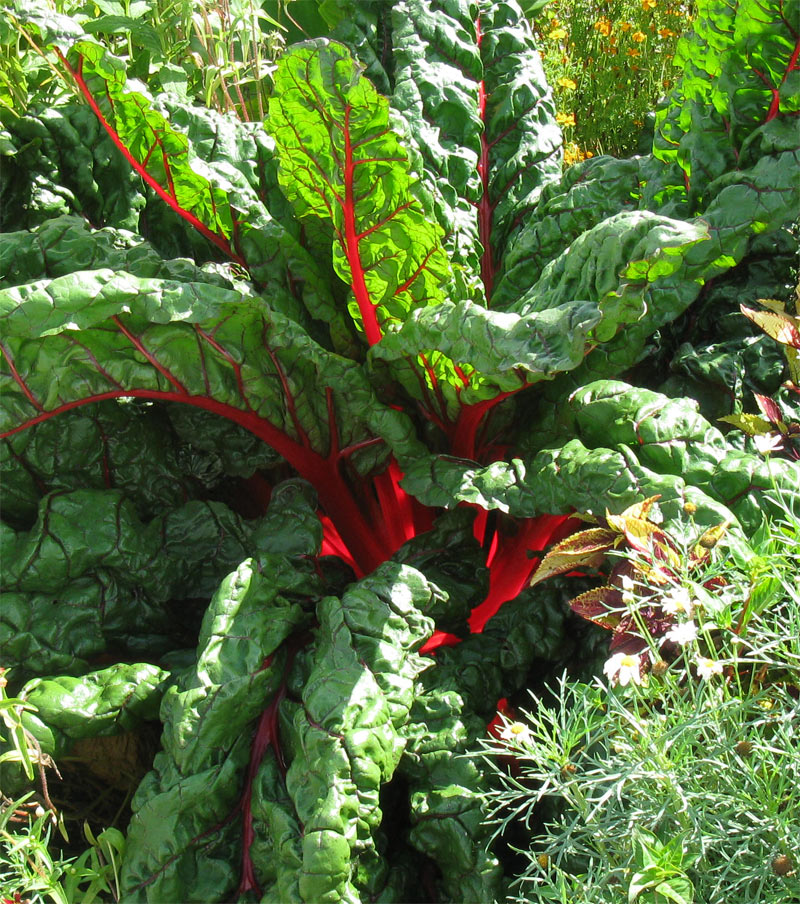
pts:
[782, 865]
[690, 508]
[744, 748]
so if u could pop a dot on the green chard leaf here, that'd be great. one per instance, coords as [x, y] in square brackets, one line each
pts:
[124, 337]
[66, 244]
[738, 80]
[192, 813]
[341, 162]
[67, 164]
[99, 704]
[347, 735]
[471, 89]
[448, 822]
[529, 634]
[437, 74]
[90, 576]
[627, 444]
[211, 174]
[161, 254]
[586, 195]
[216, 782]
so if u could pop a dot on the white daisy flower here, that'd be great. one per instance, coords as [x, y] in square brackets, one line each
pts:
[682, 634]
[677, 601]
[768, 442]
[622, 668]
[516, 733]
[707, 668]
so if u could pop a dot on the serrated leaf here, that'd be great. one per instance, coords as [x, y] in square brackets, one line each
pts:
[751, 424]
[770, 411]
[598, 605]
[585, 549]
[639, 510]
[645, 537]
[782, 328]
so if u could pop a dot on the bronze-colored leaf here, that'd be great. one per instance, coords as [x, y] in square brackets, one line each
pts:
[585, 549]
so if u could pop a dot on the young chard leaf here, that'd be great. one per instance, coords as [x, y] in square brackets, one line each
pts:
[158, 153]
[340, 161]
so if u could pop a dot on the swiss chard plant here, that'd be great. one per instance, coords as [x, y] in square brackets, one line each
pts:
[290, 409]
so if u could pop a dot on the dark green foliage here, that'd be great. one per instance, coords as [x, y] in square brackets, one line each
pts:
[388, 289]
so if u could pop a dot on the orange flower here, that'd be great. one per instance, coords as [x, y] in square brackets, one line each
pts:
[567, 83]
[574, 154]
[666, 33]
[625, 26]
[603, 26]
[638, 36]
[632, 51]
[649, 4]
[565, 119]
[558, 33]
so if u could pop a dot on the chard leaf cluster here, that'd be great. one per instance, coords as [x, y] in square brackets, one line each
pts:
[292, 407]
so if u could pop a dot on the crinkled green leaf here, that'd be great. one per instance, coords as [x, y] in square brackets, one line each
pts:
[220, 194]
[142, 335]
[185, 835]
[447, 816]
[437, 72]
[669, 436]
[291, 525]
[159, 455]
[366, 28]
[470, 86]
[67, 161]
[586, 195]
[506, 351]
[276, 250]
[521, 136]
[744, 204]
[529, 634]
[614, 264]
[347, 734]
[99, 704]
[65, 244]
[450, 556]
[574, 478]
[109, 445]
[738, 77]
[113, 335]
[247, 641]
[90, 576]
